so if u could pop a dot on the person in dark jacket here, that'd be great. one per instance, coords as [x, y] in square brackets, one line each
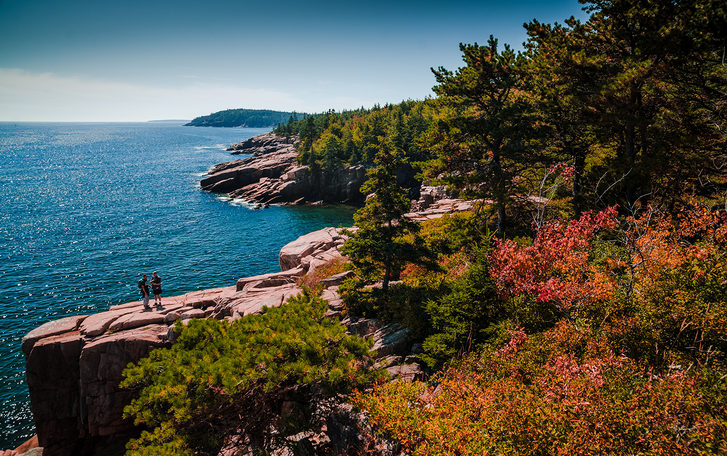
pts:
[156, 288]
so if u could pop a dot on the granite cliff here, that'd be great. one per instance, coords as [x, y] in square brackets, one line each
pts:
[272, 175]
[74, 365]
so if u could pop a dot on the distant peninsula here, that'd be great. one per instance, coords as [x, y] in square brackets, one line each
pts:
[250, 118]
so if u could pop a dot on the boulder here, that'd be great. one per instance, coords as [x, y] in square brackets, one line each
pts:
[253, 301]
[300, 252]
[171, 317]
[273, 279]
[391, 339]
[337, 279]
[99, 323]
[136, 320]
[334, 300]
[193, 313]
[406, 372]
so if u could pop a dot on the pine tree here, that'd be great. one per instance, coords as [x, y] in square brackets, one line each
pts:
[480, 143]
[378, 247]
[226, 383]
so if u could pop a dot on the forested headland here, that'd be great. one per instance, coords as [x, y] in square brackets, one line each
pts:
[581, 308]
[249, 118]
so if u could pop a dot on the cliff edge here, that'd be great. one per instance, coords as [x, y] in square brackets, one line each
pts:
[74, 365]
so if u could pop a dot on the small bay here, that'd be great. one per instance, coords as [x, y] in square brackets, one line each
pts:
[86, 208]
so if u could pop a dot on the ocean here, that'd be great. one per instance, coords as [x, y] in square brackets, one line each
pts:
[85, 208]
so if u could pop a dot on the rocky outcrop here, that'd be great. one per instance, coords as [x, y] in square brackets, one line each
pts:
[312, 250]
[272, 175]
[271, 157]
[74, 364]
[262, 144]
[438, 208]
[28, 448]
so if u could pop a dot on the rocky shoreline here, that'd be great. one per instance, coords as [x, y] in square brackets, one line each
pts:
[272, 176]
[74, 365]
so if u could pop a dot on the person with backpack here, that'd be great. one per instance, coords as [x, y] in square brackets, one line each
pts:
[144, 289]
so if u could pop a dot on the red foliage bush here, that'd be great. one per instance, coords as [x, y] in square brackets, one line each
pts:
[563, 392]
[649, 376]
[556, 267]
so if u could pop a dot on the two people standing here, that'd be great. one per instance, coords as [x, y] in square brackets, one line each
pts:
[156, 288]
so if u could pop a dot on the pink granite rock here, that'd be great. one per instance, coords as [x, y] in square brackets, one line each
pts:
[193, 313]
[272, 279]
[100, 365]
[300, 252]
[52, 376]
[406, 372]
[207, 298]
[52, 328]
[253, 302]
[135, 320]
[272, 175]
[99, 323]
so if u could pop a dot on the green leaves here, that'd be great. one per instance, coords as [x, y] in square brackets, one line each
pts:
[193, 394]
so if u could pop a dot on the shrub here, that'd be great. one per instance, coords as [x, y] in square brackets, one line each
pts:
[226, 384]
[331, 268]
[562, 392]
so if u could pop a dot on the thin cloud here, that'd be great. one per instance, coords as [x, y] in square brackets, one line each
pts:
[31, 96]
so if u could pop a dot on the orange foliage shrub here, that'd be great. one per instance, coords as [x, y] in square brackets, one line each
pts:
[331, 268]
[649, 376]
[563, 392]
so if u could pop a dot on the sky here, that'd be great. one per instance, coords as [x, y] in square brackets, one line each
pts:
[100, 60]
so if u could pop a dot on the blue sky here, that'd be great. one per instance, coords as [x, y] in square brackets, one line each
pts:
[97, 60]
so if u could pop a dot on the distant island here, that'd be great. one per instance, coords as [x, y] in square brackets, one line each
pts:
[250, 118]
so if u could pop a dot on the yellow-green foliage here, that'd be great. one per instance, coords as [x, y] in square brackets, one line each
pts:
[332, 139]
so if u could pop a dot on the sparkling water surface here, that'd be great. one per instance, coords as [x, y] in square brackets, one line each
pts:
[86, 208]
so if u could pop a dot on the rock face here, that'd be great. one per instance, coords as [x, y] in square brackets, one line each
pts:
[74, 364]
[271, 175]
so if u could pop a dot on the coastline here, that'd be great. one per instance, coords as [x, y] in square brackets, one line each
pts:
[74, 364]
[271, 175]
[80, 223]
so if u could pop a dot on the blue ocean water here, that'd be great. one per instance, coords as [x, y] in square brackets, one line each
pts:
[86, 208]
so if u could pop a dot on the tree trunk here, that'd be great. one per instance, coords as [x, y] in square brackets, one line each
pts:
[387, 272]
[579, 163]
[500, 195]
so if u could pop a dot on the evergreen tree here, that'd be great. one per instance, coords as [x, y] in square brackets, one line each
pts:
[378, 246]
[226, 383]
[481, 143]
